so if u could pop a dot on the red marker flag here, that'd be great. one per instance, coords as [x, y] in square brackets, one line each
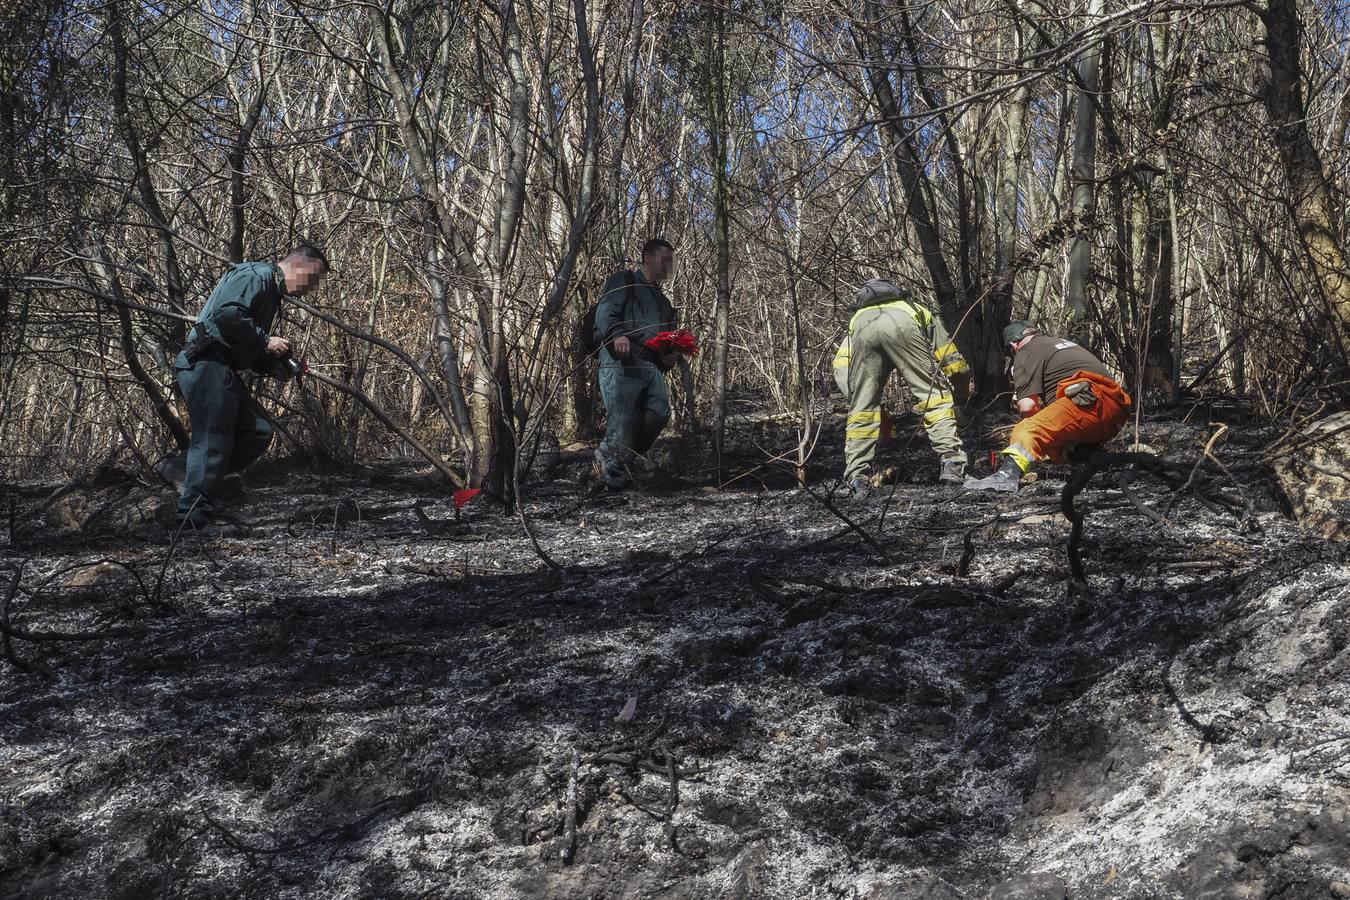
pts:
[464, 496]
[681, 342]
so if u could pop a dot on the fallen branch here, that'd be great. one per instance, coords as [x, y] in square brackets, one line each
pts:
[570, 816]
[4, 619]
[1098, 461]
[852, 526]
[968, 543]
[672, 800]
[347, 831]
[440, 464]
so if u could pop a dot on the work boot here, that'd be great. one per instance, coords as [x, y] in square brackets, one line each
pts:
[600, 470]
[860, 488]
[1006, 479]
[232, 487]
[214, 530]
[953, 471]
[210, 527]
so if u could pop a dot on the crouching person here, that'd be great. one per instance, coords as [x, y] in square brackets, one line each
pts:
[631, 311]
[889, 332]
[230, 336]
[1088, 406]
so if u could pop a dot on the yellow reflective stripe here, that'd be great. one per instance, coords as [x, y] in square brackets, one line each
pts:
[864, 433]
[867, 415]
[945, 350]
[938, 415]
[917, 313]
[933, 402]
[841, 362]
[1019, 455]
[953, 368]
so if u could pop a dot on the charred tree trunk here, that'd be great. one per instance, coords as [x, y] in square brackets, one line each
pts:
[173, 279]
[717, 135]
[159, 401]
[1084, 175]
[1311, 204]
[238, 159]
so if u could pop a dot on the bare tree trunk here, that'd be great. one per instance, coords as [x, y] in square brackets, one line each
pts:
[581, 218]
[159, 401]
[485, 425]
[1036, 307]
[448, 351]
[1311, 204]
[717, 136]
[238, 157]
[174, 286]
[1084, 173]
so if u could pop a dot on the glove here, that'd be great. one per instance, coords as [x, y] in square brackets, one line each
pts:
[288, 367]
[1080, 392]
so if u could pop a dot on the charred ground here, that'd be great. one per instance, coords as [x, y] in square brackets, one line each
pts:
[366, 696]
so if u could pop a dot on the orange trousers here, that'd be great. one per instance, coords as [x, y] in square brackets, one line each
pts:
[1046, 434]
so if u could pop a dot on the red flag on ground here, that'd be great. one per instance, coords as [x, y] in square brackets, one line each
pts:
[464, 496]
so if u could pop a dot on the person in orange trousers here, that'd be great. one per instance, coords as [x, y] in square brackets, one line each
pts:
[1089, 406]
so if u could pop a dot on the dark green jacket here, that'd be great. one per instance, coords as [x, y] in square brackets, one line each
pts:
[239, 313]
[638, 318]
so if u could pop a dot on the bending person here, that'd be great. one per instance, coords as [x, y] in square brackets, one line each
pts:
[890, 332]
[1089, 407]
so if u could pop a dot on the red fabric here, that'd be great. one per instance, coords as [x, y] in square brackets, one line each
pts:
[464, 496]
[681, 342]
[1048, 432]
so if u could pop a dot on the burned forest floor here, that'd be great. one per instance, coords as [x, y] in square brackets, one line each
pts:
[752, 691]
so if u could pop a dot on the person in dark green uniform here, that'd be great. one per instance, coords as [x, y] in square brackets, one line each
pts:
[632, 309]
[231, 336]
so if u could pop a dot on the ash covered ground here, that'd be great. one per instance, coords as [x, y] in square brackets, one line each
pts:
[723, 693]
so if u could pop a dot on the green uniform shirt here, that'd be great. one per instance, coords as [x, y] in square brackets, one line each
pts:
[239, 313]
[1044, 362]
[638, 317]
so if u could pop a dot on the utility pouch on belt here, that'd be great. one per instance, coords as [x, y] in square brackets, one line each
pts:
[197, 346]
[1080, 392]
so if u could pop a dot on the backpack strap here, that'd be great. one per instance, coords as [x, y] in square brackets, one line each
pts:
[629, 281]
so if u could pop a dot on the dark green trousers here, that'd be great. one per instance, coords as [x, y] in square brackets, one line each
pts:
[229, 431]
[637, 407]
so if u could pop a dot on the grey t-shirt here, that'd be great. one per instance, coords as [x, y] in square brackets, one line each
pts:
[1044, 362]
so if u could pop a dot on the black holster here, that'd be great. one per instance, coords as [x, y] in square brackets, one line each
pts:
[198, 346]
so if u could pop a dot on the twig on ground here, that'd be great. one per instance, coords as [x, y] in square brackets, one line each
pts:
[569, 845]
[673, 800]
[686, 558]
[968, 543]
[173, 544]
[4, 619]
[852, 526]
[1123, 481]
[1098, 461]
[346, 831]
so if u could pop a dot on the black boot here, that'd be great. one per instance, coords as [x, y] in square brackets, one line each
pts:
[1006, 478]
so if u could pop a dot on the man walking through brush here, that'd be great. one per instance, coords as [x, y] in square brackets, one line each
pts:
[631, 312]
[1088, 406]
[231, 336]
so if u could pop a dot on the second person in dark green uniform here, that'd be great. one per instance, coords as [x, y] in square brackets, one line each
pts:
[632, 309]
[232, 336]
